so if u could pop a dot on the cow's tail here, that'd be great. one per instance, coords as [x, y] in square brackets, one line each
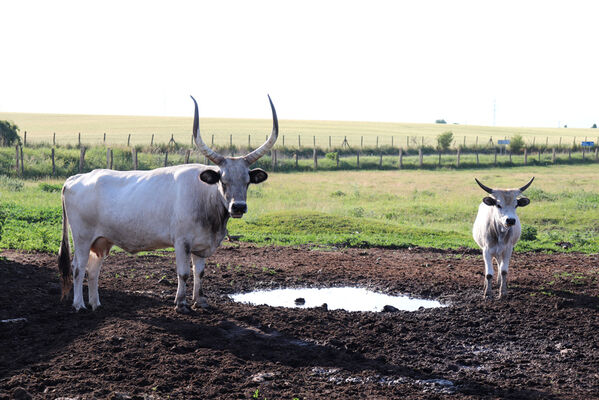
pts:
[64, 255]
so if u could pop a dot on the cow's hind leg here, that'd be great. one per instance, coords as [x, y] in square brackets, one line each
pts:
[198, 300]
[488, 273]
[182, 251]
[99, 250]
[79, 263]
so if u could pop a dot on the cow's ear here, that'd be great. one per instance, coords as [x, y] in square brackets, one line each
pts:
[210, 176]
[523, 202]
[258, 175]
[489, 201]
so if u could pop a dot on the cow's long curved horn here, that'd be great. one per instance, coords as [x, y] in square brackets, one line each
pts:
[260, 151]
[485, 188]
[207, 151]
[523, 188]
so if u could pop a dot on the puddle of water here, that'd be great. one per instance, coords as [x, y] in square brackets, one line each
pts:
[342, 298]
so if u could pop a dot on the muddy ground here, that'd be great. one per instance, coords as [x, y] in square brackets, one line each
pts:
[540, 342]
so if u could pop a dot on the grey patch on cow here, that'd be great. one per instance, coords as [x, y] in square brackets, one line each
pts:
[187, 248]
[76, 273]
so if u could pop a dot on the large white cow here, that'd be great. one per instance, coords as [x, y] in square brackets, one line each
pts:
[497, 230]
[186, 207]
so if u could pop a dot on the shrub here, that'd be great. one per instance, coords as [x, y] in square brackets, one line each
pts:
[529, 233]
[49, 187]
[440, 121]
[444, 140]
[516, 143]
[9, 133]
[331, 156]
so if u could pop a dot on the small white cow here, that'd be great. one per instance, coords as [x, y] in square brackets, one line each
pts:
[186, 207]
[497, 230]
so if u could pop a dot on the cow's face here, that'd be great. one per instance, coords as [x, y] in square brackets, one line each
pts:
[233, 178]
[504, 203]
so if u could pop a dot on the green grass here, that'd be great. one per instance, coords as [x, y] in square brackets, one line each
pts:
[40, 128]
[363, 208]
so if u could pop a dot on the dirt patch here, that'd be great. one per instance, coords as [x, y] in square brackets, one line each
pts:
[540, 342]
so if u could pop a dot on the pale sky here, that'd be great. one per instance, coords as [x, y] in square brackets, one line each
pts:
[399, 61]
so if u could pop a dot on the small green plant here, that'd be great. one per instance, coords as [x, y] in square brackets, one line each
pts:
[49, 187]
[444, 140]
[516, 143]
[337, 193]
[529, 233]
[332, 156]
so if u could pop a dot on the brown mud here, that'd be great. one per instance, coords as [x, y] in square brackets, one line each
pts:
[540, 342]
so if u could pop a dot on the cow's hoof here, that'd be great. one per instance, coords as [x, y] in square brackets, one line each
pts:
[200, 304]
[182, 309]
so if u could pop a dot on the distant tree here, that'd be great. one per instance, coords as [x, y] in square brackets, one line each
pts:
[516, 143]
[444, 140]
[9, 133]
[440, 121]
[594, 126]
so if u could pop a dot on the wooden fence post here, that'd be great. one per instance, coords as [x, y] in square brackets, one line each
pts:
[381, 160]
[152, 141]
[596, 153]
[134, 156]
[295, 157]
[273, 159]
[17, 159]
[569, 154]
[458, 159]
[315, 160]
[525, 156]
[79, 139]
[81, 159]
[54, 139]
[337, 158]
[53, 163]
[400, 166]
[22, 162]
[283, 140]
[104, 138]
[553, 156]
[212, 141]
[420, 157]
[299, 141]
[230, 140]
[108, 157]
[477, 161]
[166, 158]
[540, 155]
[250, 141]
[377, 142]
[25, 139]
[128, 140]
[187, 154]
[358, 159]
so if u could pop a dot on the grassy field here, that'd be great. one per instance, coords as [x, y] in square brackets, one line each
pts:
[363, 208]
[40, 128]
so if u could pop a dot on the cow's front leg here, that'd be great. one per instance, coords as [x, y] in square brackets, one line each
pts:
[503, 267]
[198, 299]
[488, 273]
[182, 257]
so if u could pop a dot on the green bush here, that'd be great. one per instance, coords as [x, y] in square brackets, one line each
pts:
[529, 233]
[445, 140]
[49, 187]
[9, 133]
[331, 156]
[516, 143]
